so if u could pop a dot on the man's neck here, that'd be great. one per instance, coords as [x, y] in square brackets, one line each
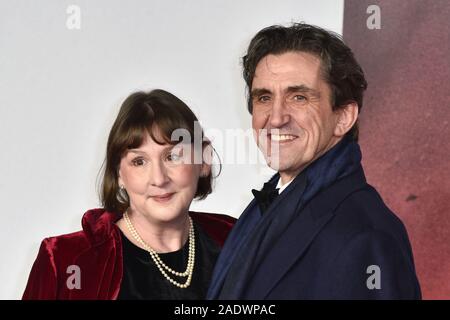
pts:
[281, 186]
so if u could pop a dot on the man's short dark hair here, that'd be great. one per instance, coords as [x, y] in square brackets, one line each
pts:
[339, 66]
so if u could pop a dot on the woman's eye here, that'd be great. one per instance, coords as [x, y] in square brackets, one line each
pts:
[138, 162]
[174, 157]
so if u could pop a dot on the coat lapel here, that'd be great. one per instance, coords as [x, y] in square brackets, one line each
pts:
[236, 238]
[100, 264]
[301, 233]
[290, 248]
[101, 271]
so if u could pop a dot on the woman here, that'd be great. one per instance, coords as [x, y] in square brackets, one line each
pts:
[144, 243]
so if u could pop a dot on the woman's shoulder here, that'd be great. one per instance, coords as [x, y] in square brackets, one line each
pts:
[212, 217]
[75, 239]
[97, 225]
[217, 226]
[61, 256]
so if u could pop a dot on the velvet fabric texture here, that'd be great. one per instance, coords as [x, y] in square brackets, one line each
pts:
[97, 252]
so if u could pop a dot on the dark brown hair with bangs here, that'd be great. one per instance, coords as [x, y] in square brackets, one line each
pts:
[159, 112]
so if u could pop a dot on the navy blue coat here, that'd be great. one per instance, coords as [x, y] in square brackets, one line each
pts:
[331, 248]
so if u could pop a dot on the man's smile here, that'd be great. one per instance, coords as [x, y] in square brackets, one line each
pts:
[282, 137]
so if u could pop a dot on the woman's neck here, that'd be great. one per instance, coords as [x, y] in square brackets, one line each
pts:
[160, 236]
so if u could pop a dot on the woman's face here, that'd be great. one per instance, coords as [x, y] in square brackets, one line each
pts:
[160, 180]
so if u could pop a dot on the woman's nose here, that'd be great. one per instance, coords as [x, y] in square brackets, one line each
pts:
[158, 174]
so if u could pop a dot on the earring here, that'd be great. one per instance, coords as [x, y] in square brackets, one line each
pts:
[122, 187]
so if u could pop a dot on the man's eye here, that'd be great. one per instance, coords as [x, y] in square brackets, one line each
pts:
[263, 98]
[299, 97]
[138, 162]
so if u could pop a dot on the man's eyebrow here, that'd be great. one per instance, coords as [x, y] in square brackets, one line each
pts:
[259, 91]
[291, 89]
[304, 89]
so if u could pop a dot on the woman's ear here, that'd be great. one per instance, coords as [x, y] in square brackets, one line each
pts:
[119, 179]
[207, 160]
[206, 170]
[347, 116]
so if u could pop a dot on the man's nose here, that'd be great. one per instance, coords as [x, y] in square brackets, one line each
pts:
[158, 174]
[279, 116]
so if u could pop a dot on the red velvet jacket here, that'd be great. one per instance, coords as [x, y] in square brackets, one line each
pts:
[97, 251]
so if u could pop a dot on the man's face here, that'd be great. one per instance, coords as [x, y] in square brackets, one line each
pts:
[292, 102]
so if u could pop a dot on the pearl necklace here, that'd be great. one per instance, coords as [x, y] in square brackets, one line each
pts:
[162, 267]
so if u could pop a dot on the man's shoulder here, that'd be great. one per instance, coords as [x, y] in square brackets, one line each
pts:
[364, 211]
[367, 204]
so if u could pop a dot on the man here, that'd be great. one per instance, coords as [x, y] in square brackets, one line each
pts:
[317, 230]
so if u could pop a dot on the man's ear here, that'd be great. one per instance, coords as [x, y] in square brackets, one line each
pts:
[347, 116]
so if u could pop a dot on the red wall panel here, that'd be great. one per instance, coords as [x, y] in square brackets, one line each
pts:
[404, 123]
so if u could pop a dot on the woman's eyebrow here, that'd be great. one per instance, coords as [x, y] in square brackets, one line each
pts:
[136, 151]
[140, 152]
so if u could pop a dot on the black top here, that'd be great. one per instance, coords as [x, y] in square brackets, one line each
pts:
[143, 281]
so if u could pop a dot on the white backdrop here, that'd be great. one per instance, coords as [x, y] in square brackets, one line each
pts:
[60, 90]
